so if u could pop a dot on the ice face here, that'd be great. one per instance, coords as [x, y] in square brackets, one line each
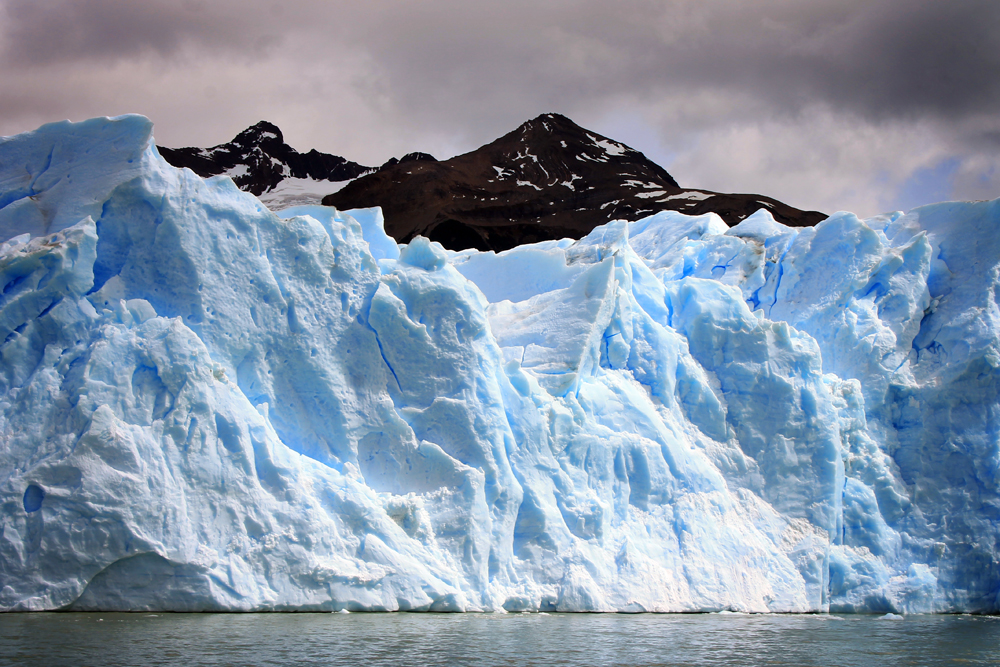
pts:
[208, 406]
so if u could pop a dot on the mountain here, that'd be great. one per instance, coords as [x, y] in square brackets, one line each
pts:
[548, 179]
[258, 160]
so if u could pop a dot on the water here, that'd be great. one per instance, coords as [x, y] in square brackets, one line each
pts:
[371, 640]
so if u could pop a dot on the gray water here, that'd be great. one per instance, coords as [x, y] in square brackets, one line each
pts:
[370, 640]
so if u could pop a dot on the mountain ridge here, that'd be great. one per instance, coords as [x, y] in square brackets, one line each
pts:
[258, 159]
[547, 179]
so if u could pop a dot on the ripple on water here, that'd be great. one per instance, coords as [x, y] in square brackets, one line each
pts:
[495, 639]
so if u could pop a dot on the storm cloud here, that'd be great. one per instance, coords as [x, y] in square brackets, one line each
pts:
[865, 106]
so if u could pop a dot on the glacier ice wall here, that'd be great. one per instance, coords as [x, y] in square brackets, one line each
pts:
[205, 405]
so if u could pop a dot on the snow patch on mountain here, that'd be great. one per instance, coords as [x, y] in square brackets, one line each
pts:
[609, 147]
[299, 191]
[694, 195]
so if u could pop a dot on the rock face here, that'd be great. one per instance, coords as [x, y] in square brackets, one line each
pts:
[258, 159]
[548, 179]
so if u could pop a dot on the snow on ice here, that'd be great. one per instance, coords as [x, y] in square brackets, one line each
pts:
[205, 405]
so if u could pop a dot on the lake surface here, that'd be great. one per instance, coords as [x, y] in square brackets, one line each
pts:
[494, 639]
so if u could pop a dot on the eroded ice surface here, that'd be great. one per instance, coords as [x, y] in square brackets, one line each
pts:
[205, 405]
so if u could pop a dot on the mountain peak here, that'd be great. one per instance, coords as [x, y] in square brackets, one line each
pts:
[548, 178]
[558, 137]
[258, 159]
[550, 122]
[259, 133]
[409, 157]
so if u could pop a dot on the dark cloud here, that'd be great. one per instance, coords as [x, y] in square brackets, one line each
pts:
[715, 84]
[880, 59]
[43, 32]
[883, 59]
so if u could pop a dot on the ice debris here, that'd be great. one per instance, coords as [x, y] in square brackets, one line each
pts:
[205, 405]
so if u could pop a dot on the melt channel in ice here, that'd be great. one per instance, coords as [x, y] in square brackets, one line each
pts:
[205, 405]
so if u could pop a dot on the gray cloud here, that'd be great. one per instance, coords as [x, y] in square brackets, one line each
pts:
[881, 60]
[819, 102]
[52, 31]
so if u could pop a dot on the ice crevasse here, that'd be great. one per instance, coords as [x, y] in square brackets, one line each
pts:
[206, 405]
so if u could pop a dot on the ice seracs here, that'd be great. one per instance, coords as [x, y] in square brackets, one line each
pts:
[207, 405]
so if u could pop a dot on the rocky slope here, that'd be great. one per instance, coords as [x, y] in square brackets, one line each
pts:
[548, 179]
[258, 159]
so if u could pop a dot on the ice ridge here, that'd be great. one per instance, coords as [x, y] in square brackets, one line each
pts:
[207, 405]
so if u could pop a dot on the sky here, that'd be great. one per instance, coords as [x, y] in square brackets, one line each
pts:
[860, 105]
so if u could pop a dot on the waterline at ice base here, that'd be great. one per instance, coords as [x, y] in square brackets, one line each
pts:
[206, 405]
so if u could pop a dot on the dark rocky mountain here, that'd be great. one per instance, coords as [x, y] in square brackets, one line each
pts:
[258, 158]
[409, 157]
[548, 179]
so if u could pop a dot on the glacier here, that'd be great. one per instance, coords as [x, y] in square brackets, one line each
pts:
[206, 405]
